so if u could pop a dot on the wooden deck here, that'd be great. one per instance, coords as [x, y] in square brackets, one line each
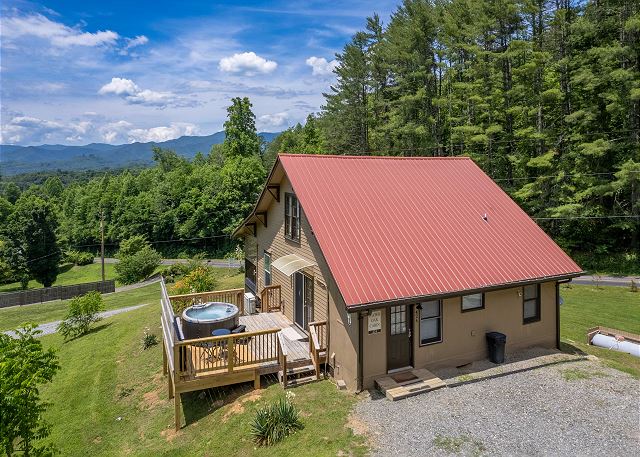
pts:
[407, 383]
[270, 344]
[297, 349]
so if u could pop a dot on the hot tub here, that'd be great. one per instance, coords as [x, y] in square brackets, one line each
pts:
[198, 321]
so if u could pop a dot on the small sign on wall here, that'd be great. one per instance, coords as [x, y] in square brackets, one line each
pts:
[375, 321]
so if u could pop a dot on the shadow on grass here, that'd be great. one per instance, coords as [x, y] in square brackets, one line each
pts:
[199, 404]
[93, 330]
[64, 268]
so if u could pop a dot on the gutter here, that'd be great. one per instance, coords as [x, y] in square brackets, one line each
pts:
[457, 293]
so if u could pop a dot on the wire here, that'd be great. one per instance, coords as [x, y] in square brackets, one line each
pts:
[583, 217]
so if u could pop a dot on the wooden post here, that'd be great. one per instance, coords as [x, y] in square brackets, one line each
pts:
[170, 385]
[164, 359]
[256, 380]
[230, 353]
[176, 402]
[102, 242]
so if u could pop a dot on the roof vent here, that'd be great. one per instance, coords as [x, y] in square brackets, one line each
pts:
[485, 217]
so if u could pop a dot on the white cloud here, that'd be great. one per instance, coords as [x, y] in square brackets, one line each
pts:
[137, 41]
[28, 130]
[320, 66]
[158, 134]
[135, 95]
[58, 34]
[273, 121]
[247, 63]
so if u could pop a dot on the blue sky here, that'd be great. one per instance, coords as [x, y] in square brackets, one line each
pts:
[75, 72]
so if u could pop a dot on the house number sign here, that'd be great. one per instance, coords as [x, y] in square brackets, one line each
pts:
[375, 321]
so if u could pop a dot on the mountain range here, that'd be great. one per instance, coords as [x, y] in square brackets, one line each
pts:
[48, 157]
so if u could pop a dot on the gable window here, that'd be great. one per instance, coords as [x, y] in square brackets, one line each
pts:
[267, 269]
[472, 302]
[291, 217]
[430, 322]
[531, 303]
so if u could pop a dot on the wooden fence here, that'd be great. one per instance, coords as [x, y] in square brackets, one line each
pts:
[27, 297]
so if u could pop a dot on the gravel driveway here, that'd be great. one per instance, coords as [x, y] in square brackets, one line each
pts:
[578, 408]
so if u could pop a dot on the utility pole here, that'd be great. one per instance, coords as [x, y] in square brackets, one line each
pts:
[102, 242]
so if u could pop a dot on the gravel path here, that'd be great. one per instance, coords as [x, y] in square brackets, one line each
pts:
[51, 327]
[138, 285]
[575, 408]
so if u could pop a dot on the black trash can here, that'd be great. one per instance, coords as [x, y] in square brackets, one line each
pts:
[496, 342]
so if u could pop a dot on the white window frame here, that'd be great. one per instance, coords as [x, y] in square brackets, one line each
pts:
[439, 317]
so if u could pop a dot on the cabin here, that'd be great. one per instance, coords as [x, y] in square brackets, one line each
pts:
[410, 261]
[365, 267]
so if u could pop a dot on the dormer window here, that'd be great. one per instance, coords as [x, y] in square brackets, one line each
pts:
[291, 217]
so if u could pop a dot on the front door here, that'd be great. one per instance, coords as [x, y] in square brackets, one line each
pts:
[399, 344]
[303, 299]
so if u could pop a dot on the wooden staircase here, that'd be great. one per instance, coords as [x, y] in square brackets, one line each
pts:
[291, 375]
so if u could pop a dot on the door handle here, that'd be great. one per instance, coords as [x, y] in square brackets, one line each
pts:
[409, 333]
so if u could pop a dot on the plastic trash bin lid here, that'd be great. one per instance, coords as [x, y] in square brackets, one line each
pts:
[497, 336]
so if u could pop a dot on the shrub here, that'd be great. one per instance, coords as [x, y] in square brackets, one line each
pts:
[201, 279]
[24, 367]
[149, 339]
[83, 311]
[275, 422]
[177, 270]
[633, 287]
[137, 260]
[79, 258]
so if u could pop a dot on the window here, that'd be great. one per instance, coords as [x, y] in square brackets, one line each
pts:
[291, 217]
[472, 302]
[531, 303]
[430, 322]
[398, 320]
[267, 269]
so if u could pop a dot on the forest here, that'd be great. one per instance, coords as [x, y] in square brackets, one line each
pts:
[543, 95]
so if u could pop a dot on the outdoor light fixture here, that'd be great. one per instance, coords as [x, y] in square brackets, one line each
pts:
[419, 306]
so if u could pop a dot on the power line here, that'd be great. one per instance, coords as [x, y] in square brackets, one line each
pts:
[568, 218]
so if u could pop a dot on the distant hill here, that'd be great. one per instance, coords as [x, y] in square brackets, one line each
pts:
[47, 157]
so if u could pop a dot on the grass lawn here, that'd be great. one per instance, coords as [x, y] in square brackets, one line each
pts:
[106, 375]
[587, 306]
[70, 274]
[41, 313]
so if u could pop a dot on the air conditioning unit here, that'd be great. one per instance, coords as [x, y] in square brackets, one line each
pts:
[249, 303]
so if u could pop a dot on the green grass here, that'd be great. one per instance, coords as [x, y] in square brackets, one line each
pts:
[41, 313]
[106, 375]
[586, 307]
[576, 374]
[70, 274]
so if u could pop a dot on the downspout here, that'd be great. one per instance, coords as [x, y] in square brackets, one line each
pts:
[558, 311]
[360, 352]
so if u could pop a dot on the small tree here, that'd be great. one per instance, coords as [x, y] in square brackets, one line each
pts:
[31, 232]
[137, 260]
[200, 279]
[83, 311]
[24, 367]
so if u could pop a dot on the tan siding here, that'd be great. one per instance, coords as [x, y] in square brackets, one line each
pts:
[463, 334]
[272, 240]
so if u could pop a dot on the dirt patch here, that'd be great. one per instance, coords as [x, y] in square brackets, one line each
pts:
[358, 426]
[169, 434]
[151, 400]
[97, 440]
[237, 407]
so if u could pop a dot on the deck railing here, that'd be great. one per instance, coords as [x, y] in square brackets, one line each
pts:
[233, 296]
[282, 358]
[270, 299]
[318, 343]
[225, 354]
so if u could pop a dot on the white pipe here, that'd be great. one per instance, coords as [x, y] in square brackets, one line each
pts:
[610, 342]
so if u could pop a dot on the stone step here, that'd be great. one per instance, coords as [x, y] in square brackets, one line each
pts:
[300, 381]
[424, 381]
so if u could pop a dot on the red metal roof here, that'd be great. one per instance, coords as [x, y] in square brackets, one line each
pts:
[393, 228]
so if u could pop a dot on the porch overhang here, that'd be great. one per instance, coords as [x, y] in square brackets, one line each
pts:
[291, 263]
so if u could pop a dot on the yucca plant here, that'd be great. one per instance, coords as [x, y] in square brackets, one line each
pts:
[275, 422]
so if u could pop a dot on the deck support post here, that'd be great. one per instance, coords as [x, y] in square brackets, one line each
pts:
[176, 402]
[164, 359]
[256, 381]
[170, 386]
